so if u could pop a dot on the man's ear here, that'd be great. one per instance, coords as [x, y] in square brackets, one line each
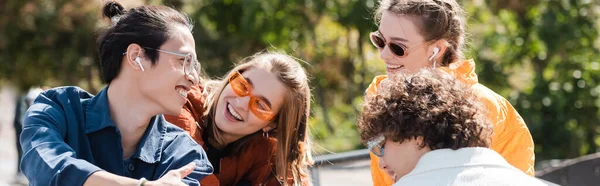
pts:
[134, 56]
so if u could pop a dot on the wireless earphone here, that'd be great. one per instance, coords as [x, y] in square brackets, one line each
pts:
[137, 59]
[436, 50]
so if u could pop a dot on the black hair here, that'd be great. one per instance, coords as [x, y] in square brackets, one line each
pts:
[147, 26]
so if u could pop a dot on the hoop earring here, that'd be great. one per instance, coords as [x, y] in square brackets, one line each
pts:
[265, 134]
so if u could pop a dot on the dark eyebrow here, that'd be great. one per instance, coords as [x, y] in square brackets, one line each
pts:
[393, 38]
[259, 96]
[399, 39]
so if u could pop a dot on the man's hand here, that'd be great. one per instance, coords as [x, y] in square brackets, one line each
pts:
[173, 177]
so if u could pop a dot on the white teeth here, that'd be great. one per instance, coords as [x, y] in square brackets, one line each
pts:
[182, 92]
[393, 66]
[233, 112]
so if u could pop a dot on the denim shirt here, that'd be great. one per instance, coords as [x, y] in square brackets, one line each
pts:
[68, 134]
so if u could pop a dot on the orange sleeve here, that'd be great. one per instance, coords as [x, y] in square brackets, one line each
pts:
[520, 153]
[514, 143]
[511, 137]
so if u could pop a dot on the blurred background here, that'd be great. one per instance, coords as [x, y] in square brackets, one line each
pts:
[542, 55]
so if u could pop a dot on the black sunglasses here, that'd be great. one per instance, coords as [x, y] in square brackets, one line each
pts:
[397, 49]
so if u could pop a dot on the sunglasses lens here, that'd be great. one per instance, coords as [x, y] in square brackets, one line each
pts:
[187, 64]
[197, 66]
[190, 65]
[397, 49]
[261, 109]
[239, 85]
[262, 105]
[377, 41]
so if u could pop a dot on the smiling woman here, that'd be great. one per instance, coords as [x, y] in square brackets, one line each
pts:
[120, 136]
[252, 123]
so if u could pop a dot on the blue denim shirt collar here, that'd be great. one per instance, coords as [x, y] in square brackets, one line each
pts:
[149, 147]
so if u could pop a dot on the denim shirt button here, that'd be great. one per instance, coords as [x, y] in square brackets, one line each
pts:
[131, 167]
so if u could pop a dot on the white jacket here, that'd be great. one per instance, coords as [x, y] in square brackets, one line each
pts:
[465, 167]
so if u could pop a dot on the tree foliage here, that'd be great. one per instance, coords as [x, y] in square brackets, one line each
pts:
[540, 54]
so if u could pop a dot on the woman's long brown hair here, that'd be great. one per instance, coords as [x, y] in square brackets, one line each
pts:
[293, 145]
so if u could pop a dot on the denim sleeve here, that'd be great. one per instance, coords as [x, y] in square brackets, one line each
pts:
[47, 159]
[203, 169]
[181, 151]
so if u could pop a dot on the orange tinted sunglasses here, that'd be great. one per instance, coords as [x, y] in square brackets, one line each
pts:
[258, 106]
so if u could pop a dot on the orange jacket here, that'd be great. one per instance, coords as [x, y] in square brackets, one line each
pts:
[511, 137]
[255, 164]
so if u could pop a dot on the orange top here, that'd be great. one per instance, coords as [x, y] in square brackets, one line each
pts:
[511, 137]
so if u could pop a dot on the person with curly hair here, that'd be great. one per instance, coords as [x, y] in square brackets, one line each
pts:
[416, 34]
[429, 129]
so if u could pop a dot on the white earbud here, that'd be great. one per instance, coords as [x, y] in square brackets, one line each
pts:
[137, 59]
[436, 50]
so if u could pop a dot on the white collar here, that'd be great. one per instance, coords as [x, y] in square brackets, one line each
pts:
[448, 158]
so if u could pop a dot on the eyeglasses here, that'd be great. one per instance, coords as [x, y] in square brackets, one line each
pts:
[189, 63]
[397, 49]
[258, 106]
[376, 145]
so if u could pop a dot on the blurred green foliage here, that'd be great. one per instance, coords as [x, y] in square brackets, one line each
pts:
[542, 55]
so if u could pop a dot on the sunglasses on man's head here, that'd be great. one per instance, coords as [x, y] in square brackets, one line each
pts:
[376, 145]
[258, 105]
[397, 49]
